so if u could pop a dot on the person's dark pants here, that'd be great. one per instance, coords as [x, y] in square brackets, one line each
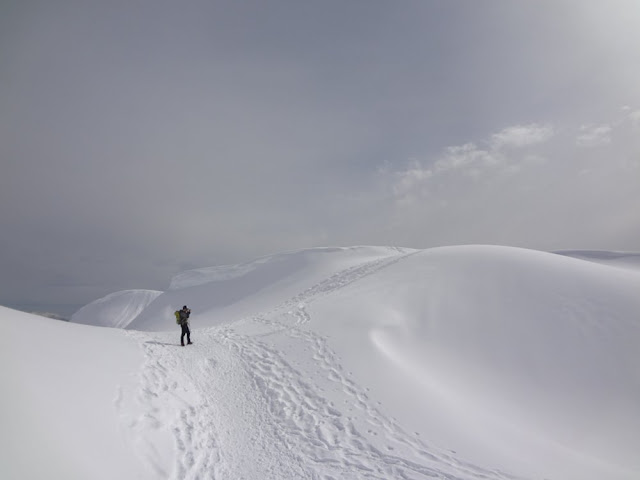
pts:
[185, 330]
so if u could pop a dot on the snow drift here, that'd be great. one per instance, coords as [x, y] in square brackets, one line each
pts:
[615, 259]
[115, 310]
[61, 404]
[520, 351]
[370, 362]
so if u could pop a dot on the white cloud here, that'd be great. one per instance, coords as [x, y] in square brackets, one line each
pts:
[409, 181]
[463, 161]
[468, 162]
[466, 157]
[635, 118]
[484, 192]
[594, 136]
[522, 136]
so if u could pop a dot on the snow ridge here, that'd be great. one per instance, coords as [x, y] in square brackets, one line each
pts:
[116, 310]
[284, 424]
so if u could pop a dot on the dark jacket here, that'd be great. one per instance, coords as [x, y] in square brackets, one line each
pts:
[184, 316]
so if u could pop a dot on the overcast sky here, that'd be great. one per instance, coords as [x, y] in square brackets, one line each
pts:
[141, 138]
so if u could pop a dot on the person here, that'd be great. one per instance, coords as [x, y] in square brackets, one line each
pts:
[184, 324]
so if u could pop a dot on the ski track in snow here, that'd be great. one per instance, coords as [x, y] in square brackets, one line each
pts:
[237, 409]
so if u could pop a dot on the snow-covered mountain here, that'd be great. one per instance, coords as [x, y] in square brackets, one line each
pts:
[228, 293]
[340, 363]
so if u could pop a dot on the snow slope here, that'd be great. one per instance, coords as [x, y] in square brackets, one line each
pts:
[531, 356]
[115, 310]
[228, 293]
[61, 407]
[379, 363]
[614, 259]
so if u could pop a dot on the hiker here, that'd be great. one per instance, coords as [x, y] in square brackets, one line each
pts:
[184, 323]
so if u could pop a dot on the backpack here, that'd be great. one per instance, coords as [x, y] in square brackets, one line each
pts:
[177, 314]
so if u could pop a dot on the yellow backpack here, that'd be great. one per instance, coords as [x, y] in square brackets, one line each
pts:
[177, 314]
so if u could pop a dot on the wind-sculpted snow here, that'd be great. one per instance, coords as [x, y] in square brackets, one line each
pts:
[456, 363]
[275, 403]
[616, 259]
[535, 350]
[115, 310]
[229, 293]
[273, 267]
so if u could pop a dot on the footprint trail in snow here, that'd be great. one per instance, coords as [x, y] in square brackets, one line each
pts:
[236, 405]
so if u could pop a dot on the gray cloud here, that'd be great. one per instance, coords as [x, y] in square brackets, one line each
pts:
[522, 136]
[594, 136]
[139, 139]
[635, 118]
[538, 195]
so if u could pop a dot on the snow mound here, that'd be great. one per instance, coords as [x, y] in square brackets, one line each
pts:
[615, 259]
[65, 391]
[226, 293]
[116, 309]
[530, 355]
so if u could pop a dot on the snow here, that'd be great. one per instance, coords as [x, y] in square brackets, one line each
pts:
[115, 310]
[62, 386]
[617, 259]
[228, 293]
[365, 362]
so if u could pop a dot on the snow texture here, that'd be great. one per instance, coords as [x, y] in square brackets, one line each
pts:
[115, 310]
[457, 363]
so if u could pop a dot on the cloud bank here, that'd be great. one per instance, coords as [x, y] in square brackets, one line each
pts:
[529, 185]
